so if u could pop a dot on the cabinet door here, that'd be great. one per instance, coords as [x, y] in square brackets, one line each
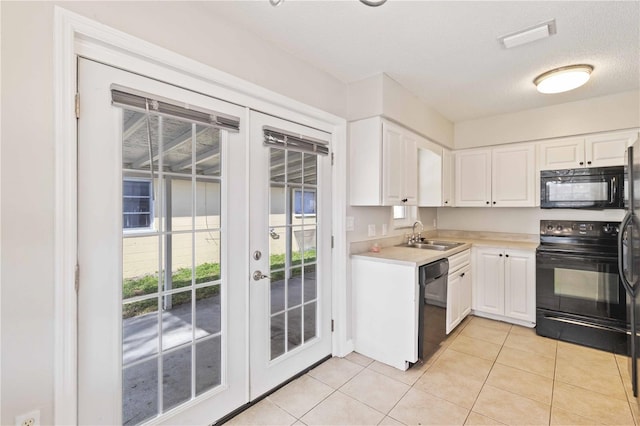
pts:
[409, 170]
[393, 157]
[430, 167]
[608, 149]
[473, 178]
[447, 178]
[519, 284]
[513, 176]
[488, 281]
[453, 301]
[465, 292]
[565, 153]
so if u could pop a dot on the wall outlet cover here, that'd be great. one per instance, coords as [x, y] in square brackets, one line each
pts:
[372, 230]
[384, 229]
[32, 418]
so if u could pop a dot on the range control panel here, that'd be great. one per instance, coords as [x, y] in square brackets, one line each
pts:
[570, 228]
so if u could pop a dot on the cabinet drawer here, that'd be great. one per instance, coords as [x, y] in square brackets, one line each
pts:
[459, 260]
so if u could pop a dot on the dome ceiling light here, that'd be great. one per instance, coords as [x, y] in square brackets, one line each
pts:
[563, 79]
[372, 3]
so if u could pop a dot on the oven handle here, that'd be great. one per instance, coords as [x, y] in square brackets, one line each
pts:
[581, 258]
[586, 324]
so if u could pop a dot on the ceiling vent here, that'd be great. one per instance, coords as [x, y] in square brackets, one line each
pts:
[528, 35]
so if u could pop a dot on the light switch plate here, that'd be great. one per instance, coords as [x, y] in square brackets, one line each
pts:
[350, 223]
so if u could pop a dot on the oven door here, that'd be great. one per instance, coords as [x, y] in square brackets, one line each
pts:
[581, 284]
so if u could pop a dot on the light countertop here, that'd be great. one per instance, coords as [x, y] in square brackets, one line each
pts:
[417, 257]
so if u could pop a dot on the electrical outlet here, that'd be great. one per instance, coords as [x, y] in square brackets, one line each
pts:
[372, 230]
[384, 229]
[435, 223]
[31, 418]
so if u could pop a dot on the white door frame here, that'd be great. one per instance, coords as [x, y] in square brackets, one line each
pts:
[77, 35]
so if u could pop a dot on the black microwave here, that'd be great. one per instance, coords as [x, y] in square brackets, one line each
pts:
[587, 188]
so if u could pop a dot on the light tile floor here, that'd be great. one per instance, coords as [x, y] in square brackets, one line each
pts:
[486, 373]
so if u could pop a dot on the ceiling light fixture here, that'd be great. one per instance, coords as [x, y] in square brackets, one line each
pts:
[563, 79]
[372, 3]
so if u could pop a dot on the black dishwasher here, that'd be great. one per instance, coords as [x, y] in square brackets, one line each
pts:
[432, 312]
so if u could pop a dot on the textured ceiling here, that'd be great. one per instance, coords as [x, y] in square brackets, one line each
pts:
[447, 53]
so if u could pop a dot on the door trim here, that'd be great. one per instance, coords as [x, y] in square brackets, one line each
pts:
[76, 35]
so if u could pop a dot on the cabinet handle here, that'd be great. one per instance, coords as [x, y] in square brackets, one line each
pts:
[446, 202]
[500, 255]
[582, 163]
[404, 200]
[494, 202]
[462, 274]
[506, 255]
[588, 162]
[487, 202]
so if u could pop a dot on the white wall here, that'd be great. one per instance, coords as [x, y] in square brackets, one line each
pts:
[381, 95]
[613, 112]
[27, 179]
[522, 220]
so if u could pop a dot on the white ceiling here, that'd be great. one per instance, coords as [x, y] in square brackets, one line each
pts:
[447, 53]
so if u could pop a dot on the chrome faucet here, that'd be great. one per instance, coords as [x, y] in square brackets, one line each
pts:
[416, 238]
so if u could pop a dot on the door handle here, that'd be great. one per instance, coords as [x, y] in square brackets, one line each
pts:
[258, 275]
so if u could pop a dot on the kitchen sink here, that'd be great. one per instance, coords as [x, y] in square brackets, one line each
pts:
[432, 245]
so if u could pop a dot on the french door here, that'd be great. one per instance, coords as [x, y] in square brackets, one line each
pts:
[290, 318]
[176, 194]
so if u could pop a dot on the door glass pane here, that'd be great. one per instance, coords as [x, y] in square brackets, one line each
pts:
[310, 169]
[208, 199]
[176, 319]
[277, 335]
[208, 153]
[294, 287]
[207, 257]
[208, 364]
[208, 311]
[140, 392]
[139, 330]
[310, 316]
[294, 167]
[171, 330]
[179, 204]
[294, 328]
[135, 140]
[176, 377]
[292, 243]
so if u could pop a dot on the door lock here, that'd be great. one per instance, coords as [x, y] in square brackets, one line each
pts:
[257, 255]
[258, 275]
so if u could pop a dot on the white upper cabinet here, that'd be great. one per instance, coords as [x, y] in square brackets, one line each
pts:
[430, 174]
[600, 150]
[608, 149]
[513, 182]
[499, 177]
[383, 162]
[447, 178]
[473, 178]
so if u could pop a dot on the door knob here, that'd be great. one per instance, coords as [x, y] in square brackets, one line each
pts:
[258, 275]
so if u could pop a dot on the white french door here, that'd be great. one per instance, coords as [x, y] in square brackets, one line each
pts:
[290, 241]
[162, 312]
[177, 194]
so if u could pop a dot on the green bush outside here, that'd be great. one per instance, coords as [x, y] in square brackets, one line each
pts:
[205, 272]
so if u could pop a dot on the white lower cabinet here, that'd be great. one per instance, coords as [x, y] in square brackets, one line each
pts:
[458, 289]
[504, 284]
[385, 311]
